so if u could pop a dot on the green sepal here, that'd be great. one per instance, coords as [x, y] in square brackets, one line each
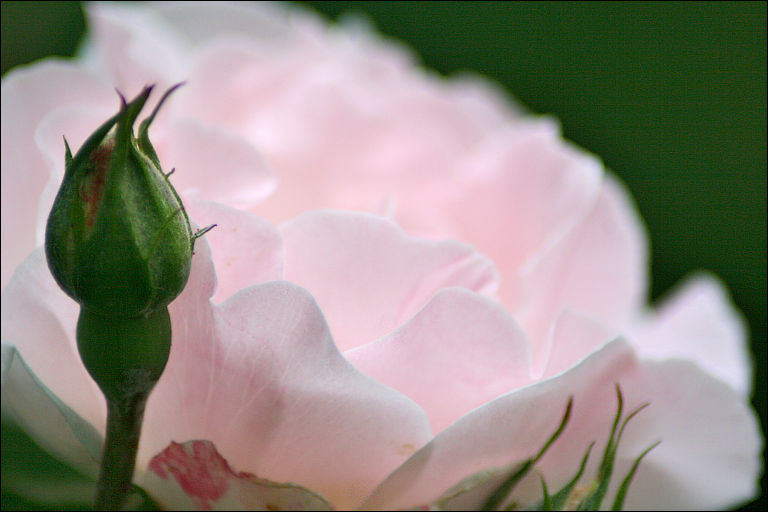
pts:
[67, 154]
[621, 494]
[559, 500]
[501, 493]
[599, 488]
[143, 140]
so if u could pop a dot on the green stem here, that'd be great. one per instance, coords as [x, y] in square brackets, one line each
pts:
[124, 419]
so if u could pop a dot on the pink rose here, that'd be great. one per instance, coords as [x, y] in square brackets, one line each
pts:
[408, 280]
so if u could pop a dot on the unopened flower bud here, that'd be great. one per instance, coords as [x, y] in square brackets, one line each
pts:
[118, 240]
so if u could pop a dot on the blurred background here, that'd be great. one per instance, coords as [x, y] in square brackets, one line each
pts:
[672, 97]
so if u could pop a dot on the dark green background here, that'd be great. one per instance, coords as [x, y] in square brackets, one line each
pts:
[672, 96]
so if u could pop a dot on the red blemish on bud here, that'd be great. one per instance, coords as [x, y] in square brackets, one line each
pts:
[92, 187]
[198, 468]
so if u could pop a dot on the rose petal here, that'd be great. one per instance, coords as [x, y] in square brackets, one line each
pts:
[194, 475]
[694, 467]
[39, 319]
[28, 95]
[524, 191]
[202, 21]
[698, 322]
[573, 337]
[218, 164]
[246, 250]
[134, 47]
[599, 269]
[374, 259]
[63, 433]
[261, 378]
[428, 359]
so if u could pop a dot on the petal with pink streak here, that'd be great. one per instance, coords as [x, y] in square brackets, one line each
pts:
[458, 352]
[598, 268]
[261, 378]
[216, 163]
[523, 190]
[698, 322]
[39, 320]
[709, 457]
[28, 95]
[246, 249]
[343, 256]
[194, 475]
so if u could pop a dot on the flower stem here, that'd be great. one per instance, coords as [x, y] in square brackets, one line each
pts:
[124, 419]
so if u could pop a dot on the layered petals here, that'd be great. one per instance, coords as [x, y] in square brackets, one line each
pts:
[710, 467]
[462, 344]
[408, 279]
[374, 259]
[261, 378]
[245, 249]
[598, 268]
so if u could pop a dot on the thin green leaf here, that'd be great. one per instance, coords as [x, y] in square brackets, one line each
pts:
[144, 144]
[501, 493]
[546, 503]
[67, 153]
[595, 497]
[560, 498]
[618, 502]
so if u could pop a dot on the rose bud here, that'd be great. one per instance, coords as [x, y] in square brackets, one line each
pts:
[118, 240]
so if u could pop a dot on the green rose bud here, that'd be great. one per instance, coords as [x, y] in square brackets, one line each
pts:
[118, 240]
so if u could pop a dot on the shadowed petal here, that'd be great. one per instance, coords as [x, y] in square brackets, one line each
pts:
[709, 456]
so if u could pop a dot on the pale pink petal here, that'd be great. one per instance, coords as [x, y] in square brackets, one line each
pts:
[598, 268]
[572, 338]
[232, 84]
[246, 250]
[194, 475]
[524, 190]
[396, 137]
[261, 378]
[698, 322]
[203, 21]
[458, 352]
[483, 101]
[134, 47]
[369, 276]
[709, 456]
[39, 320]
[217, 164]
[28, 95]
